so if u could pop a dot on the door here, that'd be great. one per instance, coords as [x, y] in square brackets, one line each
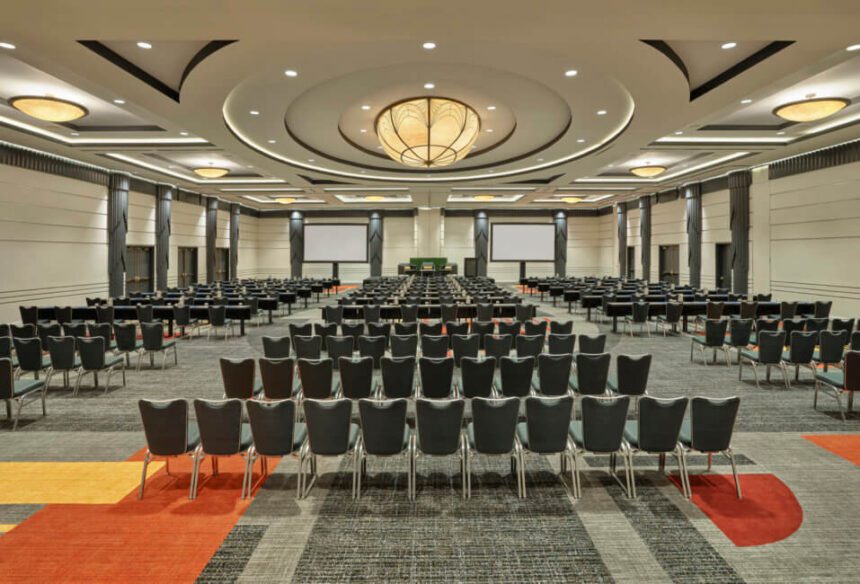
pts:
[187, 261]
[724, 266]
[138, 270]
[222, 264]
[631, 262]
[669, 263]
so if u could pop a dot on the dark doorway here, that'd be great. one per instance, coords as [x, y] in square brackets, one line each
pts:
[470, 267]
[670, 265]
[138, 270]
[724, 266]
[187, 269]
[631, 262]
[222, 264]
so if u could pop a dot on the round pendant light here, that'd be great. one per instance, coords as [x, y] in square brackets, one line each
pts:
[285, 200]
[811, 110]
[484, 197]
[571, 200]
[374, 198]
[428, 132]
[48, 109]
[211, 172]
[648, 171]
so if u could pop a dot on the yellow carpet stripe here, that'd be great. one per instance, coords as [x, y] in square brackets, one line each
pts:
[6, 527]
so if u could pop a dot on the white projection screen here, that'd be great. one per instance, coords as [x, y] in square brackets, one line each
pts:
[330, 243]
[522, 242]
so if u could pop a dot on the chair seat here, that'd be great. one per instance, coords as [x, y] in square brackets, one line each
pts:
[834, 377]
[169, 343]
[700, 341]
[575, 431]
[75, 364]
[750, 354]
[193, 436]
[245, 439]
[612, 384]
[686, 435]
[353, 435]
[300, 432]
[631, 433]
[111, 360]
[25, 386]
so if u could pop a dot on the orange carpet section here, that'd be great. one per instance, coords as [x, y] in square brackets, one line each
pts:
[769, 511]
[163, 538]
[845, 445]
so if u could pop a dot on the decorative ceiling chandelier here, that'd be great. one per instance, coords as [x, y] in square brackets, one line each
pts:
[485, 197]
[211, 172]
[811, 110]
[647, 171]
[48, 109]
[571, 200]
[428, 132]
[285, 200]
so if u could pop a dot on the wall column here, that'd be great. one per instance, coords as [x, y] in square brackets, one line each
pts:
[645, 234]
[482, 242]
[374, 243]
[560, 221]
[297, 243]
[693, 196]
[621, 210]
[760, 230]
[739, 220]
[118, 186]
[234, 241]
[211, 235]
[163, 204]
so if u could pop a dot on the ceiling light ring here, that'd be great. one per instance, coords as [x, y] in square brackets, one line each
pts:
[18, 99]
[211, 171]
[810, 101]
[648, 170]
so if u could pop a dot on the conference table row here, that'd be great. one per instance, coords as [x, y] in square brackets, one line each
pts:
[697, 308]
[468, 311]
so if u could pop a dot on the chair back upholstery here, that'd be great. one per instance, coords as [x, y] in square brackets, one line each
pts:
[436, 376]
[91, 351]
[277, 376]
[373, 347]
[770, 346]
[62, 351]
[740, 332]
[430, 328]
[165, 424]
[476, 376]
[238, 377]
[379, 329]
[822, 308]
[674, 312]
[398, 376]
[817, 324]
[787, 310]
[548, 420]
[592, 344]
[307, 347]
[103, 330]
[498, 346]
[832, 346]
[632, 371]
[438, 424]
[220, 424]
[482, 329]
[181, 315]
[272, 426]
[126, 336]
[660, 423]
[535, 328]
[839, 324]
[852, 371]
[217, 315]
[523, 312]
[516, 376]
[449, 312]
[5, 347]
[603, 420]
[715, 332]
[510, 328]
[29, 314]
[333, 314]
[25, 331]
[324, 330]
[714, 310]
[316, 377]
[328, 423]
[592, 372]
[854, 345]
[485, 312]
[301, 330]
[337, 347]
[561, 328]
[48, 330]
[406, 328]
[789, 326]
[554, 373]
[713, 421]
[404, 345]
[63, 314]
[276, 347]
[529, 345]
[434, 346]
[383, 424]
[29, 353]
[145, 313]
[78, 329]
[104, 314]
[641, 310]
[408, 313]
[356, 377]
[764, 324]
[495, 424]
[802, 347]
[353, 330]
[465, 346]
[749, 310]
[372, 313]
[153, 335]
[456, 328]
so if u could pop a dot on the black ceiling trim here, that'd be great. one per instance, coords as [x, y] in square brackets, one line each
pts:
[818, 160]
[764, 53]
[132, 69]
[604, 211]
[202, 54]
[105, 128]
[537, 181]
[325, 181]
[746, 127]
[670, 53]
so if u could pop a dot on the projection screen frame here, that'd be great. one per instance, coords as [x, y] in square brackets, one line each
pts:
[366, 242]
[493, 247]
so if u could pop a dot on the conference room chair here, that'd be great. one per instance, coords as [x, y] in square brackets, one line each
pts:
[822, 308]
[512, 328]
[485, 312]
[456, 328]
[671, 319]
[523, 312]
[560, 344]
[837, 382]
[23, 331]
[801, 351]
[515, 376]
[561, 328]
[155, 343]
[406, 328]
[449, 312]
[529, 345]
[709, 431]
[546, 431]
[324, 330]
[840, 324]
[95, 360]
[748, 310]
[145, 313]
[333, 314]
[430, 328]
[169, 433]
[63, 315]
[639, 316]
[482, 329]
[307, 347]
[438, 433]
[713, 311]
[64, 359]
[127, 343]
[787, 310]
[493, 432]
[477, 377]
[408, 313]
[46, 330]
[379, 329]
[790, 326]
[591, 375]
[338, 347]
[277, 377]
[854, 344]
[763, 325]
[384, 433]
[436, 377]
[218, 320]
[30, 357]
[767, 353]
[301, 330]
[404, 345]
[831, 348]
[373, 347]
[353, 330]
[274, 434]
[592, 344]
[222, 433]
[398, 377]
[277, 347]
[465, 346]
[75, 329]
[553, 374]
[601, 431]
[817, 324]
[372, 313]
[183, 320]
[317, 379]
[331, 432]
[656, 430]
[715, 335]
[105, 331]
[740, 332]
[498, 346]
[434, 346]
[4, 331]
[29, 314]
[239, 378]
[631, 377]
[356, 377]
[532, 328]
[19, 392]
[105, 314]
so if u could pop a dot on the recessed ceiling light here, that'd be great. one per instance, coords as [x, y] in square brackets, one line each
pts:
[119, 101]
[489, 130]
[580, 140]
[540, 159]
[848, 48]
[285, 200]
[254, 113]
[746, 101]
[11, 47]
[429, 45]
[648, 171]
[491, 107]
[429, 85]
[374, 198]
[311, 160]
[76, 133]
[144, 45]
[364, 130]
[365, 107]
[484, 197]
[678, 133]
[728, 45]
[601, 112]
[291, 73]
[210, 171]
[571, 73]
[183, 133]
[272, 141]
[571, 200]
[780, 133]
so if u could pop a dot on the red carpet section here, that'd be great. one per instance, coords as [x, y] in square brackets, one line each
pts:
[164, 538]
[845, 445]
[768, 512]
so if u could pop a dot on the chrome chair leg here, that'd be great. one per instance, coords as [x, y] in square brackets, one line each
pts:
[143, 475]
[731, 456]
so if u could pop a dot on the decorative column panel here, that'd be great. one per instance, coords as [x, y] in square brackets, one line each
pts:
[482, 242]
[118, 185]
[211, 235]
[739, 221]
[297, 243]
[234, 240]
[560, 220]
[645, 234]
[621, 210]
[163, 203]
[693, 196]
[374, 243]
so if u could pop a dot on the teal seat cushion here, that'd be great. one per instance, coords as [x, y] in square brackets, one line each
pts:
[25, 386]
[169, 343]
[699, 340]
[749, 354]
[193, 436]
[612, 384]
[470, 434]
[686, 435]
[245, 439]
[111, 360]
[834, 377]
[573, 383]
[631, 433]
[353, 435]
[575, 431]
[523, 434]
[300, 432]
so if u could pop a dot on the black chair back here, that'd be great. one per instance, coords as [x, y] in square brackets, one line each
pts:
[483, 329]
[338, 347]
[48, 330]
[740, 332]
[484, 312]
[476, 376]
[554, 373]
[449, 313]
[438, 424]
[713, 421]
[372, 313]
[406, 328]
[770, 347]
[238, 377]
[333, 314]
[592, 344]
[787, 310]
[436, 376]
[547, 421]
[126, 336]
[29, 314]
[523, 312]
[353, 330]
[328, 423]
[632, 371]
[276, 347]
[674, 312]
[63, 314]
[373, 347]
[535, 328]
[641, 310]
[516, 376]
[383, 425]
[822, 308]
[25, 331]
[316, 377]
[324, 330]
[603, 420]
[561, 328]
[817, 324]
[715, 332]
[561, 344]
[832, 346]
[748, 310]
[165, 425]
[498, 346]
[660, 423]
[220, 424]
[790, 326]
[307, 347]
[852, 371]
[91, 351]
[145, 313]
[495, 424]
[356, 377]
[434, 346]
[408, 313]
[272, 426]
[510, 328]
[839, 324]
[714, 310]
[404, 345]
[465, 346]
[277, 376]
[29, 353]
[398, 376]
[78, 329]
[153, 335]
[529, 345]
[592, 372]
[802, 347]
[764, 324]
[62, 351]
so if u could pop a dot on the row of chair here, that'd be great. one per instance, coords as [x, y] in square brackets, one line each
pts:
[409, 313]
